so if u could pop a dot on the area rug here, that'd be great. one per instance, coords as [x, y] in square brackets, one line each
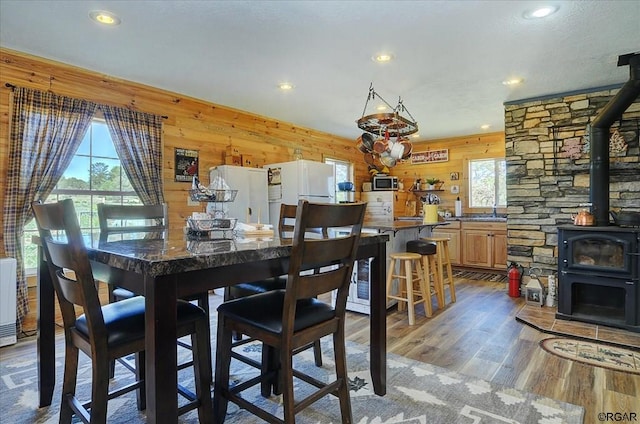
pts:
[596, 354]
[417, 393]
[484, 276]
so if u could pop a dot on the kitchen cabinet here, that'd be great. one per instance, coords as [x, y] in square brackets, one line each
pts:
[452, 231]
[484, 244]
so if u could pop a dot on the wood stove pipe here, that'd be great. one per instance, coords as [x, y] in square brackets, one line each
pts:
[599, 135]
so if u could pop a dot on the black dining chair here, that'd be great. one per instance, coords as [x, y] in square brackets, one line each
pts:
[119, 222]
[285, 320]
[105, 333]
[286, 226]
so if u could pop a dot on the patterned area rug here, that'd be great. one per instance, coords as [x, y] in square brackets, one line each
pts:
[596, 354]
[484, 276]
[417, 393]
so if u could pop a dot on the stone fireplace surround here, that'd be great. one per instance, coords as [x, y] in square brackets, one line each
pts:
[548, 170]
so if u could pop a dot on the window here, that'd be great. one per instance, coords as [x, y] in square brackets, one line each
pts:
[487, 183]
[93, 176]
[343, 171]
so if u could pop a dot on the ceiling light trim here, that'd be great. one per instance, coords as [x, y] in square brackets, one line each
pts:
[540, 12]
[104, 17]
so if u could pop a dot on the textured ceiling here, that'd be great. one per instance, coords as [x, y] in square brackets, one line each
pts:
[450, 56]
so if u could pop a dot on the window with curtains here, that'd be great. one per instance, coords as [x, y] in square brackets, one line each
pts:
[95, 175]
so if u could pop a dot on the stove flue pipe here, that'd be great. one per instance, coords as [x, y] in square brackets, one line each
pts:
[599, 135]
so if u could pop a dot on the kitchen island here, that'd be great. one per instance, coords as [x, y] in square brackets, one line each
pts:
[399, 232]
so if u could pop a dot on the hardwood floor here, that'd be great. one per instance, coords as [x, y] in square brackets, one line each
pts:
[479, 336]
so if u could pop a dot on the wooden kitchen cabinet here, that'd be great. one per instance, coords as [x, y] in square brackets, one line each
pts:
[484, 244]
[452, 231]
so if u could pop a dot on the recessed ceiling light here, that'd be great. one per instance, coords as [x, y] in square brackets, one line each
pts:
[416, 135]
[383, 57]
[541, 12]
[513, 81]
[104, 17]
[485, 126]
[285, 86]
[381, 107]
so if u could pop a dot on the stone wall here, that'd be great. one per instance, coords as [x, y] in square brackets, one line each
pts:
[547, 153]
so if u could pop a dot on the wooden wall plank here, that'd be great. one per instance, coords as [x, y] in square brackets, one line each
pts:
[199, 125]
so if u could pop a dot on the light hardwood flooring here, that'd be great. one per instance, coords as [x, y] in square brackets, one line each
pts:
[479, 336]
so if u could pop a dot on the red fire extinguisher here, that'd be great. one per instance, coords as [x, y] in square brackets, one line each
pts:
[515, 277]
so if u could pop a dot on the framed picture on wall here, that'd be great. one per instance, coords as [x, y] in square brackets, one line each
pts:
[186, 164]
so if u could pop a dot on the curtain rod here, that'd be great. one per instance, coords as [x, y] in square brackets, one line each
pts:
[11, 86]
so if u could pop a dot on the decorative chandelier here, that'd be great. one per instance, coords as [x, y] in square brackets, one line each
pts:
[385, 141]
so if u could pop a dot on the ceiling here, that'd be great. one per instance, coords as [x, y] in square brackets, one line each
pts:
[450, 57]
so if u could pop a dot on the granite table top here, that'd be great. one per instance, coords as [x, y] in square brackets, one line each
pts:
[156, 257]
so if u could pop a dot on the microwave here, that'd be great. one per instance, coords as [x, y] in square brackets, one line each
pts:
[384, 183]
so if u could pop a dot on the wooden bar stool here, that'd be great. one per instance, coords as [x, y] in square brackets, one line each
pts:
[409, 266]
[443, 263]
[429, 267]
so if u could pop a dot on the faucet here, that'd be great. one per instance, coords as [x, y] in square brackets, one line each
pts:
[495, 212]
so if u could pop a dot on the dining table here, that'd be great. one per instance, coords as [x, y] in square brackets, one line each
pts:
[178, 266]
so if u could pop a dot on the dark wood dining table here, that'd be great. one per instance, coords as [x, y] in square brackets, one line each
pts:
[176, 267]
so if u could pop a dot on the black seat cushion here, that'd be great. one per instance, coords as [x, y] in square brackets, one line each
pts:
[264, 311]
[124, 320]
[255, 287]
[422, 247]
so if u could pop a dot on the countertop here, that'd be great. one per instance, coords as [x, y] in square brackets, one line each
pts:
[478, 218]
[401, 224]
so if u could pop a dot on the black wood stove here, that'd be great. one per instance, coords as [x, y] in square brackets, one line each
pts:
[599, 275]
[598, 267]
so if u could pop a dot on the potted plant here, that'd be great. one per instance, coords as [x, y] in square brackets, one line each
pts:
[432, 183]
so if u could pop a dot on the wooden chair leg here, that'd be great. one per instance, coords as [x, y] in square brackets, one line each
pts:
[408, 278]
[447, 258]
[202, 368]
[141, 394]
[424, 290]
[223, 363]
[69, 384]
[317, 353]
[286, 371]
[341, 374]
[99, 392]
[203, 302]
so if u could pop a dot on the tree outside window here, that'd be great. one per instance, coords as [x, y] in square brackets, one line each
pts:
[487, 183]
[93, 176]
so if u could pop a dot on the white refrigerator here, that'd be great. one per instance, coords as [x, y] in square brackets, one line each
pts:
[290, 182]
[250, 204]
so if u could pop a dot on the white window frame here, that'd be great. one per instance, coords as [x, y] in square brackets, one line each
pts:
[499, 190]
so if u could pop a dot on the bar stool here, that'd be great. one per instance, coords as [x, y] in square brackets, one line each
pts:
[443, 262]
[409, 265]
[429, 267]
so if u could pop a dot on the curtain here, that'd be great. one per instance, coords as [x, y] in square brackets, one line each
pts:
[137, 137]
[46, 131]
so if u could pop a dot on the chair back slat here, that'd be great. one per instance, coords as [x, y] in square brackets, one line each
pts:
[149, 220]
[331, 257]
[66, 255]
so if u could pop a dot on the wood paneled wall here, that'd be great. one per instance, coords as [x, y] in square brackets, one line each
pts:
[190, 124]
[210, 128]
[461, 150]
